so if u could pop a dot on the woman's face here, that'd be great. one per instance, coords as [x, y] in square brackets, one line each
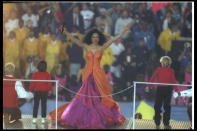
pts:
[95, 38]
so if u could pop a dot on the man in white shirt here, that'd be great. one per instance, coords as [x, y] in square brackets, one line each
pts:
[122, 22]
[30, 19]
[117, 48]
[11, 24]
[74, 18]
[103, 22]
[88, 16]
[166, 20]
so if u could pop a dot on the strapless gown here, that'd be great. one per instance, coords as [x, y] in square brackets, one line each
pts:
[91, 112]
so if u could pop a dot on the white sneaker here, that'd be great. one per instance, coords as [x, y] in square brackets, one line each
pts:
[43, 120]
[34, 120]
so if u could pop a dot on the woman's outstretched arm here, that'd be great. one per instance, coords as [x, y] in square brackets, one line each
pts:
[126, 29]
[75, 40]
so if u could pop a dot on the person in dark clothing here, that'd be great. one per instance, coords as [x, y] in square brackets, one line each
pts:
[74, 18]
[73, 85]
[129, 68]
[142, 54]
[77, 60]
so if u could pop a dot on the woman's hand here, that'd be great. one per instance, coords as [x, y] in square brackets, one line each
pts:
[128, 27]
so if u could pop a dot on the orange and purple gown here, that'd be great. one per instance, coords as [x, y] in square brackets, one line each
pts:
[91, 112]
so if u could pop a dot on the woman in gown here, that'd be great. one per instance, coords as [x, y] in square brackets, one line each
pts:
[92, 112]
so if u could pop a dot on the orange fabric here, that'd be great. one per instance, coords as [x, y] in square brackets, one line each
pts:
[104, 87]
[60, 110]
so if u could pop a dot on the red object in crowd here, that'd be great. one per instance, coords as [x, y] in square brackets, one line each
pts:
[164, 75]
[41, 86]
[60, 16]
[10, 99]
[156, 6]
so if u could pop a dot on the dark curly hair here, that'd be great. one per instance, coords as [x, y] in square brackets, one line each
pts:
[42, 66]
[87, 38]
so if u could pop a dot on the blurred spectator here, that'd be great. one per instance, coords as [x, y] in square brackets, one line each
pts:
[176, 11]
[129, 66]
[52, 53]
[30, 19]
[58, 14]
[187, 80]
[121, 22]
[21, 32]
[76, 60]
[142, 54]
[114, 12]
[62, 82]
[30, 48]
[183, 60]
[140, 90]
[167, 20]
[74, 18]
[8, 9]
[11, 23]
[73, 85]
[44, 38]
[59, 20]
[186, 56]
[142, 31]
[32, 62]
[117, 47]
[166, 37]
[95, 7]
[11, 51]
[45, 17]
[63, 54]
[186, 30]
[88, 16]
[143, 13]
[103, 22]
[188, 74]
[151, 65]
[65, 67]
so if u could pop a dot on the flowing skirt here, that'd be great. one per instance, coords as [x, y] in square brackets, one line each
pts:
[88, 112]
